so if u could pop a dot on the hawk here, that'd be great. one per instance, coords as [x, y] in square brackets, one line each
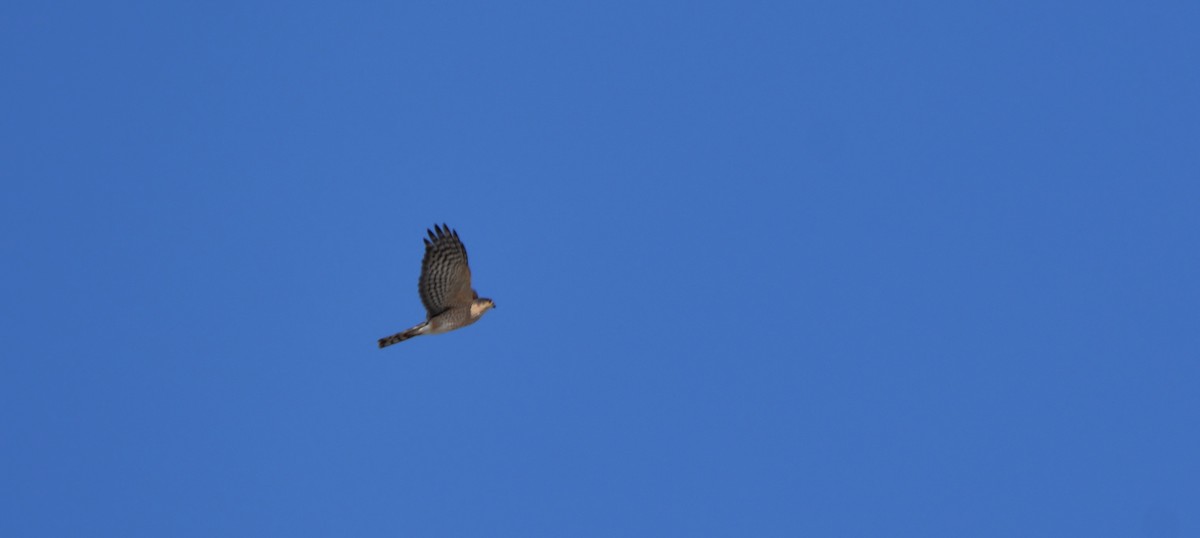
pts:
[445, 288]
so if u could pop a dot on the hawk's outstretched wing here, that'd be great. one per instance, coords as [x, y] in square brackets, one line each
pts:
[445, 278]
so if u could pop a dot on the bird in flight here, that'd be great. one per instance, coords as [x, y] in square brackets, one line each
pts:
[445, 288]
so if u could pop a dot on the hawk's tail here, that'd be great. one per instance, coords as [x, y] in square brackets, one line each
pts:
[402, 335]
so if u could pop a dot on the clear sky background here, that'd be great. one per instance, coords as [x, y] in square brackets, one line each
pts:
[761, 268]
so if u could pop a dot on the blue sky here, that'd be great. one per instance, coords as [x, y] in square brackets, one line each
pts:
[761, 268]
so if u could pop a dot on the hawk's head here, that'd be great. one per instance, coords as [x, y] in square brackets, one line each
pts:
[479, 306]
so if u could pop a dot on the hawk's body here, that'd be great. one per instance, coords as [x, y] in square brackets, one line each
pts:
[445, 288]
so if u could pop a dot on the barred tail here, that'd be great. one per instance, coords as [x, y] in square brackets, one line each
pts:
[402, 335]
